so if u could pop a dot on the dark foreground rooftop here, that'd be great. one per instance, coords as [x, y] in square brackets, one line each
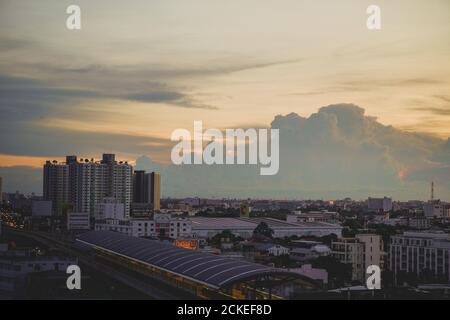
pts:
[211, 270]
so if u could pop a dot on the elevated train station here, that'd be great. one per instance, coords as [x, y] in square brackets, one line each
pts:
[204, 275]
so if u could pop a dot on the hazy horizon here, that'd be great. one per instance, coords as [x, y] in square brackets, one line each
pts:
[138, 70]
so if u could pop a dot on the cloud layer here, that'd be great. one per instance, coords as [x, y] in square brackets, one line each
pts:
[337, 152]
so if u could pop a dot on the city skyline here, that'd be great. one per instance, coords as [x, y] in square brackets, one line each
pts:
[134, 73]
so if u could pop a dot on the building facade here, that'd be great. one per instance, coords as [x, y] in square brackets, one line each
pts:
[379, 204]
[56, 185]
[161, 226]
[362, 251]
[420, 253]
[147, 189]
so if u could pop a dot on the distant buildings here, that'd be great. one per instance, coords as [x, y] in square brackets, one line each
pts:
[420, 253]
[362, 251]
[203, 227]
[312, 216]
[379, 204]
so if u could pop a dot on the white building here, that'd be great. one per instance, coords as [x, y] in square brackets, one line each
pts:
[420, 252]
[273, 249]
[78, 221]
[161, 226]
[110, 208]
[434, 209]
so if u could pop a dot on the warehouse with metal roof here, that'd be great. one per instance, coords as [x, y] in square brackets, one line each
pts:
[192, 269]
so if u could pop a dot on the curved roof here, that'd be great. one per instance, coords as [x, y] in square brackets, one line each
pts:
[212, 270]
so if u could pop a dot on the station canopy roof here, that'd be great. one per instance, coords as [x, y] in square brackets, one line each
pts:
[212, 270]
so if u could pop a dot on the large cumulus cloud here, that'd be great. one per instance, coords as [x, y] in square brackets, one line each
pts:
[338, 151]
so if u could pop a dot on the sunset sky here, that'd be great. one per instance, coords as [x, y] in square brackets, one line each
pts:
[137, 70]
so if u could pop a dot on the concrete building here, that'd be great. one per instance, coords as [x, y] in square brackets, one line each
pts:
[110, 208]
[161, 226]
[147, 189]
[434, 209]
[203, 227]
[1, 190]
[362, 251]
[56, 185]
[78, 221]
[379, 204]
[420, 253]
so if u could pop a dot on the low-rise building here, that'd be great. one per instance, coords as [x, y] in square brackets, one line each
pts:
[161, 226]
[362, 251]
[203, 227]
[313, 273]
[420, 253]
[434, 209]
[16, 265]
[110, 208]
[272, 249]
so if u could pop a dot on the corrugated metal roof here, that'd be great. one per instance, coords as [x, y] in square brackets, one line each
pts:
[212, 270]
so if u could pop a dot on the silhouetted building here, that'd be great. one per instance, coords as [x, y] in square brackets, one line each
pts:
[147, 189]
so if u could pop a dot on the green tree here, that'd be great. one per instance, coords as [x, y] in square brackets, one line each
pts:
[263, 230]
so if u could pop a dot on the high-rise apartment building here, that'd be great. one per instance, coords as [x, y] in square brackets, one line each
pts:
[56, 185]
[147, 189]
[84, 183]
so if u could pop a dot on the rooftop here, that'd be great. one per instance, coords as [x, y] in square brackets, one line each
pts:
[212, 270]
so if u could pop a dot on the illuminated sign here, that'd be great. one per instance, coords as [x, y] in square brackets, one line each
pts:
[191, 244]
